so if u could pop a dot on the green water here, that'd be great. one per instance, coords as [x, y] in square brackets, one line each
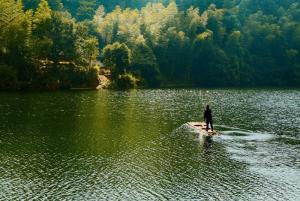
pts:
[136, 146]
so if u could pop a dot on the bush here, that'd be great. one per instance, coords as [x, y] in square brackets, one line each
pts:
[126, 81]
[83, 77]
[93, 77]
[8, 78]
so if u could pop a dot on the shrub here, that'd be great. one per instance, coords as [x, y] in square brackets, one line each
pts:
[126, 81]
[8, 78]
[92, 77]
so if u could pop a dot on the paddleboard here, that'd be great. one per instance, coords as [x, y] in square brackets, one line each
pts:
[200, 127]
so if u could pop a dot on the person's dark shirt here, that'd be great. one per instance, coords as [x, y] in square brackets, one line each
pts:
[207, 115]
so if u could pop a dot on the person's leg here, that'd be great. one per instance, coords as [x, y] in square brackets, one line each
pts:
[207, 122]
[211, 125]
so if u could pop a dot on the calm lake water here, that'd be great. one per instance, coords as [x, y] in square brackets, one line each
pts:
[136, 146]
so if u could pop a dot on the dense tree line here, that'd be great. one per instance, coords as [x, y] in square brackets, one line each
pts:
[163, 43]
[44, 49]
[222, 43]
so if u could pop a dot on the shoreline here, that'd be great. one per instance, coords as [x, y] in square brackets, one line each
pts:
[82, 89]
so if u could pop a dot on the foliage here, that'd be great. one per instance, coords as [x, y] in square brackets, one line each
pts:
[118, 57]
[144, 63]
[52, 44]
[86, 45]
[43, 48]
[224, 43]
[125, 81]
[8, 78]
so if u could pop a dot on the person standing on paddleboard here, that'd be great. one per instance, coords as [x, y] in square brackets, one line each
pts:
[208, 118]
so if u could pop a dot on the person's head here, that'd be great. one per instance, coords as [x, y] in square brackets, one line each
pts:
[207, 107]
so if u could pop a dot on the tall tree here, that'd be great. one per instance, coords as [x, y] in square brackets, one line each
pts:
[42, 41]
[118, 57]
[86, 45]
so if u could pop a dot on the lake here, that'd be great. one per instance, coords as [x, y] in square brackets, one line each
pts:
[135, 145]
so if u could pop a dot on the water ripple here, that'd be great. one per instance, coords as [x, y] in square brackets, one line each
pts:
[135, 145]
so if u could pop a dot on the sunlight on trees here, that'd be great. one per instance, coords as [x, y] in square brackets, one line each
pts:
[194, 43]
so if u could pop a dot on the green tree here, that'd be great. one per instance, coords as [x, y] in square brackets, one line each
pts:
[86, 9]
[15, 35]
[30, 4]
[118, 57]
[86, 45]
[144, 63]
[41, 34]
[63, 35]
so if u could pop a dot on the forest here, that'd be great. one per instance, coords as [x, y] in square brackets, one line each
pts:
[58, 44]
